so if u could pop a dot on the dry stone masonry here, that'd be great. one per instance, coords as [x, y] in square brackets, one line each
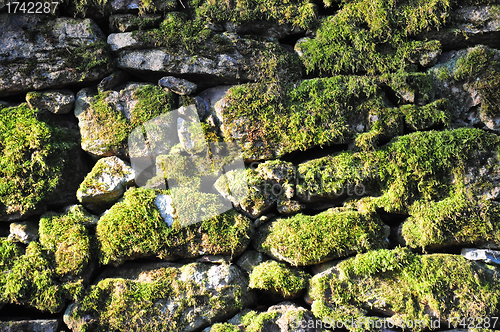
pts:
[260, 165]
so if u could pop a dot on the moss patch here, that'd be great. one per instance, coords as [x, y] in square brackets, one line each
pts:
[33, 281]
[314, 112]
[300, 13]
[67, 237]
[134, 228]
[31, 158]
[410, 285]
[477, 68]
[306, 240]
[112, 128]
[278, 278]
[159, 299]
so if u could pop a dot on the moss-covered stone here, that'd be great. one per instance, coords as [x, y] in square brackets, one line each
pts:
[442, 180]
[106, 183]
[340, 232]
[277, 278]
[470, 78]
[376, 37]
[161, 297]
[457, 219]
[32, 280]
[55, 52]
[33, 159]
[188, 47]
[282, 317]
[272, 120]
[299, 13]
[107, 119]
[67, 237]
[134, 228]
[412, 289]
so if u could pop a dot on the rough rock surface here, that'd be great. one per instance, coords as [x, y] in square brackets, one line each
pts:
[39, 325]
[56, 101]
[24, 231]
[38, 53]
[106, 183]
[175, 298]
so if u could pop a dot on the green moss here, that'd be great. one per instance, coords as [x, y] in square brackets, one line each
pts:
[9, 252]
[300, 13]
[134, 228]
[455, 219]
[31, 158]
[479, 69]
[157, 300]
[374, 37]
[224, 327]
[425, 117]
[314, 112]
[255, 322]
[32, 281]
[114, 128]
[411, 87]
[183, 36]
[67, 237]
[431, 176]
[410, 285]
[306, 240]
[426, 166]
[278, 278]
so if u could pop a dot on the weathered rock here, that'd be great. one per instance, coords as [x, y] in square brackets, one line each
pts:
[341, 232]
[106, 183]
[129, 22]
[123, 41]
[469, 79]
[486, 255]
[99, 10]
[468, 26]
[39, 325]
[250, 259]
[39, 53]
[177, 85]
[211, 97]
[161, 297]
[107, 119]
[206, 58]
[269, 183]
[24, 232]
[278, 280]
[123, 234]
[378, 281]
[56, 101]
[288, 207]
[282, 317]
[117, 78]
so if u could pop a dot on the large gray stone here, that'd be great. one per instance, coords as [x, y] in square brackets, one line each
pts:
[39, 53]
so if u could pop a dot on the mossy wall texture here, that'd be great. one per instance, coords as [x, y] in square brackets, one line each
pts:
[250, 165]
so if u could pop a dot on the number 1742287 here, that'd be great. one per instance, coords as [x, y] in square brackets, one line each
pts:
[39, 7]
